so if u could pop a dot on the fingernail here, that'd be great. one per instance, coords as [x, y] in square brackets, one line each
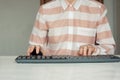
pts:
[37, 52]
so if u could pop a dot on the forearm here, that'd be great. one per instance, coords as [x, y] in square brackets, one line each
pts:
[38, 39]
[104, 49]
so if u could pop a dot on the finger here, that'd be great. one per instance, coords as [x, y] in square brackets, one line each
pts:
[30, 50]
[37, 49]
[95, 49]
[85, 51]
[90, 51]
[43, 51]
[81, 50]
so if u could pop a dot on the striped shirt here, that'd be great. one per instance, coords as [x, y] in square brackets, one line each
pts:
[61, 28]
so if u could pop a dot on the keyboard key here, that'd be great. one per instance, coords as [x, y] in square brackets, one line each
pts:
[33, 57]
[39, 57]
[28, 57]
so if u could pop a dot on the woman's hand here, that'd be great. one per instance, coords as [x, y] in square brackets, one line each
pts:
[87, 50]
[31, 48]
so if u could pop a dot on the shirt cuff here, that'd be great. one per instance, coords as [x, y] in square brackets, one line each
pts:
[36, 44]
[99, 51]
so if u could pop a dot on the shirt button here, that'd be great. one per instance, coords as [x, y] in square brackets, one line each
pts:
[70, 5]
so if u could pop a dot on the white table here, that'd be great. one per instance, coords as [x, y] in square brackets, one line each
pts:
[10, 70]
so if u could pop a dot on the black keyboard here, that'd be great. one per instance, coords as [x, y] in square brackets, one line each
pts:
[67, 59]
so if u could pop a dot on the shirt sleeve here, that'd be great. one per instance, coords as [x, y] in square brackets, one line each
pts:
[104, 38]
[39, 32]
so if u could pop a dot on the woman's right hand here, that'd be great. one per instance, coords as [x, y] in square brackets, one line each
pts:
[31, 48]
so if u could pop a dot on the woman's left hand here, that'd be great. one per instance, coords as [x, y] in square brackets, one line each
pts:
[87, 50]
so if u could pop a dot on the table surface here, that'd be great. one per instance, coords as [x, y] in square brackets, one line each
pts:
[10, 70]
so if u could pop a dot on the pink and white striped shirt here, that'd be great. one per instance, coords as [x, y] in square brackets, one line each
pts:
[61, 28]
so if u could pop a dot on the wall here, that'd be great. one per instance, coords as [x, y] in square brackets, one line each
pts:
[110, 14]
[117, 23]
[16, 22]
[113, 7]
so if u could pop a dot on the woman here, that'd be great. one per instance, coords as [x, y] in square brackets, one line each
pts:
[72, 27]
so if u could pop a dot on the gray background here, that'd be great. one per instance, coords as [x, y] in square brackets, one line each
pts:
[17, 19]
